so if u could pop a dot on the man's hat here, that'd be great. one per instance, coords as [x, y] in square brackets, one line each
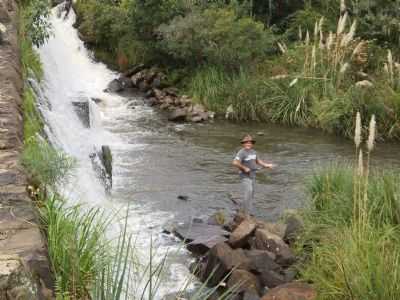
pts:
[247, 138]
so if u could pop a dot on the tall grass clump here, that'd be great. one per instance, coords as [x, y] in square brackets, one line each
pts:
[352, 228]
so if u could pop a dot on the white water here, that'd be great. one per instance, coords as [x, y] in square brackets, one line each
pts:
[72, 75]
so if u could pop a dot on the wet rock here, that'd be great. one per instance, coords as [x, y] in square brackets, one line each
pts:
[266, 240]
[97, 100]
[177, 115]
[242, 280]
[182, 197]
[125, 82]
[144, 86]
[202, 245]
[291, 291]
[239, 237]
[294, 227]
[106, 158]
[114, 86]
[15, 281]
[152, 101]
[82, 110]
[150, 94]
[193, 231]
[201, 117]
[220, 260]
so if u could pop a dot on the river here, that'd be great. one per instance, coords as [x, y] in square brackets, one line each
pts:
[155, 161]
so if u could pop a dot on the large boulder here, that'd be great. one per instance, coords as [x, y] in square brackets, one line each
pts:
[265, 240]
[132, 71]
[241, 281]
[291, 291]
[221, 259]
[240, 236]
[276, 228]
[114, 86]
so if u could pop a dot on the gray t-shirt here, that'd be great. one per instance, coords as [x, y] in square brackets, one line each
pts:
[248, 159]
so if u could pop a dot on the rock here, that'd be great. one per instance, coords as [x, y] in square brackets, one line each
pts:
[106, 158]
[3, 31]
[165, 106]
[137, 78]
[82, 110]
[156, 83]
[15, 281]
[177, 115]
[125, 82]
[202, 245]
[134, 70]
[152, 101]
[221, 259]
[250, 295]
[4, 15]
[194, 231]
[144, 86]
[97, 100]
[182, 197]
[272, 279]
[171, 91]
[260, 133]
[150, 94]
[294, 227]
[237, 219]
[276, 228]
[261, 260]
[198, 118]
[266, 240]
[197, 109]
[159, 94]
[242, 280]
[241, 234]
[291, 291]
[114, 86]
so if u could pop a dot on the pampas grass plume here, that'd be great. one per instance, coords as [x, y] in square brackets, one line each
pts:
[357, 133]
[360, 164]
[372, 134]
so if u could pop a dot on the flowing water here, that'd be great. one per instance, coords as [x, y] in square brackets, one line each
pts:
[155, 161]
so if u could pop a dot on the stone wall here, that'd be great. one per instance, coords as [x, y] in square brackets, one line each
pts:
[24, 265]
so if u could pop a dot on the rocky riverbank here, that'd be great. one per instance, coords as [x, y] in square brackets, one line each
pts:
[24, 265]
[150, 82]
[248, 256]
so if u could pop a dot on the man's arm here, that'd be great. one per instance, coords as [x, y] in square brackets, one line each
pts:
[241, 167]
[264, 164]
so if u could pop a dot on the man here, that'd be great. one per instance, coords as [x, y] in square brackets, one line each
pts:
[247, 162]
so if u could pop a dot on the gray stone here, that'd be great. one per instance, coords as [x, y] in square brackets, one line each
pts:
[240, 236]
[202, 245]
[294, 227]
[241, 281]
[126, 82]
[106, 158]
[177, 115]
[114, 86]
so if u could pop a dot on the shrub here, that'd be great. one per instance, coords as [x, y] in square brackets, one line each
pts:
[216, 36]
[36, 23]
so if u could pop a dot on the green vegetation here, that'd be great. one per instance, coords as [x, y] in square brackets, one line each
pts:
[352, 230]
[300, 63]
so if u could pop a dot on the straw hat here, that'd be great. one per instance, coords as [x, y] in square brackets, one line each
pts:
[247, 138]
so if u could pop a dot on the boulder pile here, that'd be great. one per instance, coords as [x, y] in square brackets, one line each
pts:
[248, 257]
[150, 82]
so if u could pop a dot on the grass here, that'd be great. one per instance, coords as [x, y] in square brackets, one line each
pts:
[351, 237]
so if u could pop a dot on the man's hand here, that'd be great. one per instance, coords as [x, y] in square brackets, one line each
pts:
[246, 170]
[270, 166]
